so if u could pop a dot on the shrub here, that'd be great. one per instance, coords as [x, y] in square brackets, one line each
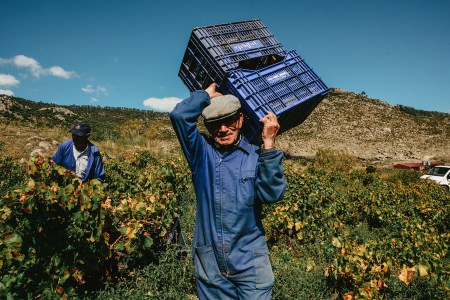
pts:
[62, 236]
[371, 169]
[405, 176]
[12, 174]
[340, 235]
[334, 160]
[370, 230]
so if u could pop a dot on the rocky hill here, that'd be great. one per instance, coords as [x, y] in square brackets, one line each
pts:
[370, 129]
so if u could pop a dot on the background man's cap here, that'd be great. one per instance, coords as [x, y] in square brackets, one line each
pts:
[80, 129]
[221, 107]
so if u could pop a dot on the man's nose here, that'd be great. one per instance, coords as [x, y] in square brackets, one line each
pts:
[223, 128]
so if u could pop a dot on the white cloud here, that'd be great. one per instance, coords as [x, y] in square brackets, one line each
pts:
[7, 80]
[98, 90]
[161, 104]
[88, 89]
[32, 65]
[6, 92]
[60, 72]
[22, 61]
[93, 100]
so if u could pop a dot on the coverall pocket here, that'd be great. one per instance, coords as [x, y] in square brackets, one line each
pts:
[247, 185]
[263, 270]
[206, 268]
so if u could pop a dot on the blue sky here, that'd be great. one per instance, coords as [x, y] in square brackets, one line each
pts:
[128, 53]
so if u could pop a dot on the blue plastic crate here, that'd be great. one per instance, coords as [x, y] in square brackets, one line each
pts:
[290, 89]
[212, 51]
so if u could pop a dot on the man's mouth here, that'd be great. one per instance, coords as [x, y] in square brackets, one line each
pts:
[223, 135]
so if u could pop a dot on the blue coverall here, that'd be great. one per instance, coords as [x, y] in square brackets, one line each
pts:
[230, 253]
[64, 157]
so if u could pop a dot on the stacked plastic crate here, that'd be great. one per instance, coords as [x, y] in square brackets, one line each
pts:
[245, 59]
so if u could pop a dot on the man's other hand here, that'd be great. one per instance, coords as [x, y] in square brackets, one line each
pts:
[270, 130]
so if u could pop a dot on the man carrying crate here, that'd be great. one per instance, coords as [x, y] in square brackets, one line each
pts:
[232, 180]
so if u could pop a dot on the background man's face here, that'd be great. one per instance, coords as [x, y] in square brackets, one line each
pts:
[80, 142]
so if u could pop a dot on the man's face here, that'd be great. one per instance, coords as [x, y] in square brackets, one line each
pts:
[80, 142]
[226, 132]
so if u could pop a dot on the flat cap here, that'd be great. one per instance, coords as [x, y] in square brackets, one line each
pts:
[221, 107]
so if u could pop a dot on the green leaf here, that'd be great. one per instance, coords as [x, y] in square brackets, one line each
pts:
[14, 240]
[64, 278]
[119, 246]
[148, 242]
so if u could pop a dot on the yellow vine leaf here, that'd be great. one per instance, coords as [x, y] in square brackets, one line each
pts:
[423, 270]
[335, 242]
[407, 274]
[31, 184]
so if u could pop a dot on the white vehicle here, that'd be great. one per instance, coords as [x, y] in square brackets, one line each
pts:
[440, 174]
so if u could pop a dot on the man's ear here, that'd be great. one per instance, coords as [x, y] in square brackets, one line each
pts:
[88, 135]
[241, 119]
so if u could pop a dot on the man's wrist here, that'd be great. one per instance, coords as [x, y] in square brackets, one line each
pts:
[268, 144]
[267, 147]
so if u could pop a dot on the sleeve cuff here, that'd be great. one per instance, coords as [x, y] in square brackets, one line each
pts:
[264, 150]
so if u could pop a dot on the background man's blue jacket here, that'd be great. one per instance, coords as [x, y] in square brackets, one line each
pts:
[231, 186]
[64, 157]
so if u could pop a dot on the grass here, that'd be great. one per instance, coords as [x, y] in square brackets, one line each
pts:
[170, 278]
[20, 140]
[299, 272]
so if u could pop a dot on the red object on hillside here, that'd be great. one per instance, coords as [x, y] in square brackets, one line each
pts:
[424, 165]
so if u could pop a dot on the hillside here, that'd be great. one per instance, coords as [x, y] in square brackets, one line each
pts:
[370, 129]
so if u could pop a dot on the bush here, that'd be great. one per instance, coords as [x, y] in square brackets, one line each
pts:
[12, 174]
[337, 234]
[62, 236]
[371, 231]
[371, 169]
[405, 176]
[334, 160]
